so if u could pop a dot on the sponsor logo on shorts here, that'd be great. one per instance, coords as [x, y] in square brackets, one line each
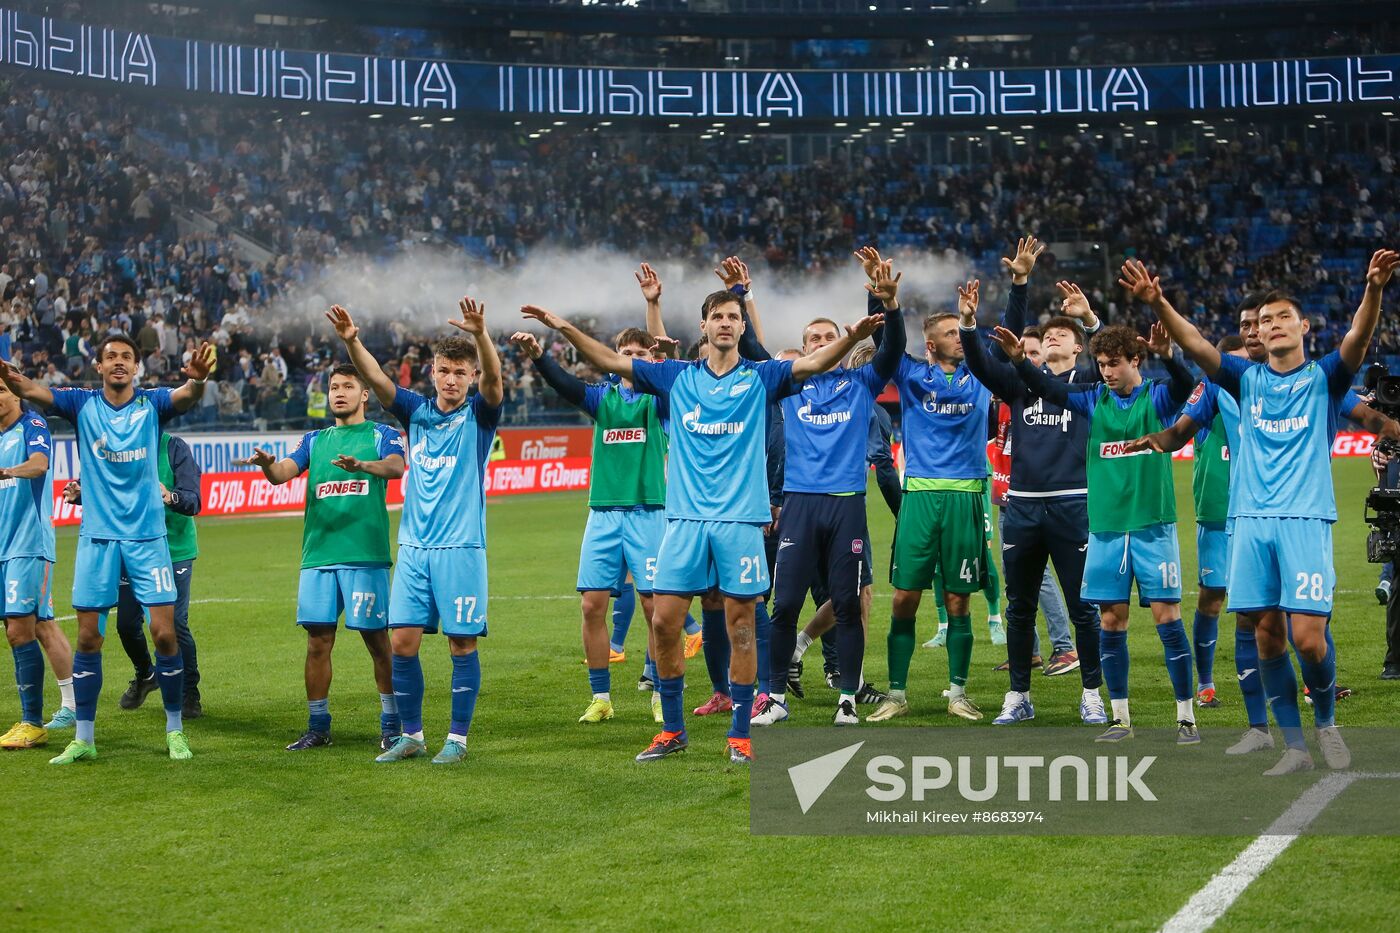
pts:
[625, 436]
[857, 546]
[342, 487]
[1112, 450]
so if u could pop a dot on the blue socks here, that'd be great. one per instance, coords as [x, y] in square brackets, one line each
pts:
[170, 674]
[87, 685]
[1282, 686]
[1321, 678]
[29, 675]
[318, 717]
[624, 607]
[599, 680]
[716, 648]
[742, 694]
[1205, 632]
[1113, 655]
[691, 626]
[408, 692]
[1251, 683]
[389, 715]
[671, 688]
[466, 686]
[760, 635]
[1177, 650]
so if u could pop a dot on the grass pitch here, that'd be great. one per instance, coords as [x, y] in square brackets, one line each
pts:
[550, 823]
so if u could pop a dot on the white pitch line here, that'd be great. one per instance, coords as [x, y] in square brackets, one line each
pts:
[1211, 902]
[193, 602]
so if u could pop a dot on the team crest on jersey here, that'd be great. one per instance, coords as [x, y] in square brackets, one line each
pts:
[740, 388]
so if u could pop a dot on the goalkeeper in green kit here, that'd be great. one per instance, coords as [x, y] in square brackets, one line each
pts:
[345, 545]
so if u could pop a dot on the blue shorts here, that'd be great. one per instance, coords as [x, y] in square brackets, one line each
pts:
[1114, 559]
[616, 541]
[28, 585]
[362, 593]
[1213, 556]
[102, 563]
[697, 556]
[446, 584]
[1282, 563]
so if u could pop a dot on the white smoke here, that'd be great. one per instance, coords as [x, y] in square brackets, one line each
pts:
[423, 286]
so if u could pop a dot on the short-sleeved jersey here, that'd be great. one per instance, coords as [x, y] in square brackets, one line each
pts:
[718, 462]
[347, 521]
[1282, 466]
[444, 492]
[120, 460]
[827, 427]
[26, 505]
[944, 421]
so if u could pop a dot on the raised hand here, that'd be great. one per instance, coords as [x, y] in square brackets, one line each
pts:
[547, 318]
[345, 327]
[259, 458]
[665, 347]
[528, 343]
[884, 284]
[349, 464]
[866, 326]
[732, 272]
[1010, 344]
[1143, 285]
[968, 298]
[869, 258]
[201, 362]
[1073, 303]
[1382, 266]
[73, 492]
[473, 317]
[1028, 250]
[1160, 342]
[650, 283]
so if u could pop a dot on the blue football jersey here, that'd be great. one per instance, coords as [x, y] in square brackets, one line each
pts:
[1282, 466]
[1209, 405]
[717, 468]
[26, 505]
[444, 493]
[943, 420]
[120, 461]
[827, 428]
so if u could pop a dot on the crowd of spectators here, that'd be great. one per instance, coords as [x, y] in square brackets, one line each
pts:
[1029, 47]
[94, 187]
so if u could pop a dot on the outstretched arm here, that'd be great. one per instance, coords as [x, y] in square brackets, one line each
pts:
[1363, 323]
[1168, 440]
[1028, 250]
[1182, 382]
[734, 272]
[650, 284]
[829, 356]
[883, 289]
[1375, 422]
[489, 384]
[33, 468]
[1077, 397]
[601, 357]
[999, 376]
[390, 467]
[26, 388]
[363, 360]
[1147, 288]
[201, 364]
[571, 388]
[276, 471]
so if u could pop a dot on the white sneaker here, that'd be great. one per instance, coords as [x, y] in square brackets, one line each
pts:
[1334, 750]
[769, 712]
[1253, 740]
[939, 639]
[846, 714]
[1293, 761]
[889, 710]
[1091, 711]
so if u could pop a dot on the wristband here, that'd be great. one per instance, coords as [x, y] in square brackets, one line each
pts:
[200, 382]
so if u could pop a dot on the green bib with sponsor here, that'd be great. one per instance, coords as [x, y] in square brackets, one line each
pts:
[347, 521]
[629, 453]
[1210, 475]
[179, 529]
[1127, 492]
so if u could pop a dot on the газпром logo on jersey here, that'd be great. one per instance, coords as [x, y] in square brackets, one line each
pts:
[693, 424]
